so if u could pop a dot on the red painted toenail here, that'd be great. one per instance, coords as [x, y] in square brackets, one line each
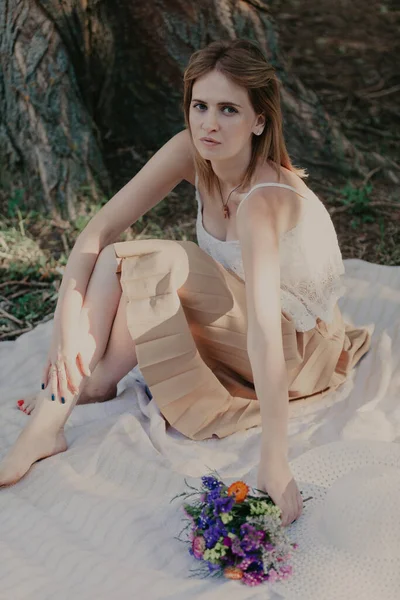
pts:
[20, 402]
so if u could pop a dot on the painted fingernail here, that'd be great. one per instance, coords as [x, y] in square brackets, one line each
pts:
[63, 400]
[20, 402]
[42, 386]
[52, 397]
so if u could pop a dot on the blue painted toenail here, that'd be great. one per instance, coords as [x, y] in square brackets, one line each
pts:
[52, 397]
[42, 386]
[63, 400]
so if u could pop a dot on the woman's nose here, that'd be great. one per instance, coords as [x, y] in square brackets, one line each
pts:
[210, 121]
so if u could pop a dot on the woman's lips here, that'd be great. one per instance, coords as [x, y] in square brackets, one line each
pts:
[208, 143]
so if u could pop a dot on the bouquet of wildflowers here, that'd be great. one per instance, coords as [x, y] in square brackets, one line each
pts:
[236, 533]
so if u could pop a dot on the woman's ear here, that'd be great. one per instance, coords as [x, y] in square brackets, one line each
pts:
[260, 125]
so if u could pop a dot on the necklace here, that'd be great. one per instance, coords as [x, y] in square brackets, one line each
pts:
[225, 207]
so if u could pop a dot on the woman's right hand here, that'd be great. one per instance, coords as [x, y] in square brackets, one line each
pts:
[65, 366]
[275, 478]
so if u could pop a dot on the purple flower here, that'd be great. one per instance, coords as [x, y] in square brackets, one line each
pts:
[251, 559]
[213, 533]
[252, 538]
[213, 495]
[236, 548]
[223, 505]
[245, 563]
[211, 536]
[222, 530]
[253, 578]
[211, 482]
[202, 522]
[205, 520]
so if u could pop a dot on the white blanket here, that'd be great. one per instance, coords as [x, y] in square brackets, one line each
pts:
[96, 521]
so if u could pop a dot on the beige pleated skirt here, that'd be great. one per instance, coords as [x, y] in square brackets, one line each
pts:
[187, 316]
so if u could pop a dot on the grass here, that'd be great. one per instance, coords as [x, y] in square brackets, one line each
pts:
[34, 249]
[355, 75]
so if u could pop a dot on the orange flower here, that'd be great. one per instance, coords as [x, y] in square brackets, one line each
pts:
[239, 490]
[233, 573]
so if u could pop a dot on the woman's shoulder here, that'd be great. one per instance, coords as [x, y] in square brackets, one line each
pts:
[287, 192]
[287, 177]
[183, 146]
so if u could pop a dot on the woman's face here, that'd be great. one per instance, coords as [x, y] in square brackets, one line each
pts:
[221, 110]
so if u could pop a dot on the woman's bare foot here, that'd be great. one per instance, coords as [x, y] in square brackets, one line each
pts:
[41, 438]
[32, 445]
[28, 404]
[87, 396]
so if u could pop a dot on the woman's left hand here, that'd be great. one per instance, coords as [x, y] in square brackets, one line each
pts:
[275, 477]
[64, 368]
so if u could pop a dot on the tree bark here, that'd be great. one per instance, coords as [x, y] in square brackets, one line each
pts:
[49, 142]
[88, 89]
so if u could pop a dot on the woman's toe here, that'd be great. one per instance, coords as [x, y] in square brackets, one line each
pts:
[28, 408]
[20, 404]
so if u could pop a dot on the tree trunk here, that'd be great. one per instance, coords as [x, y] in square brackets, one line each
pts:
[89, 88]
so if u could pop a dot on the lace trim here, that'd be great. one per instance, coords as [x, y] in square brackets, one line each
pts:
[216, 241]
[305, 315]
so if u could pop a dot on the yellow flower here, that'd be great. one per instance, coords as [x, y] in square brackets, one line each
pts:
[226, 518]
[214, 554]
[258, 507]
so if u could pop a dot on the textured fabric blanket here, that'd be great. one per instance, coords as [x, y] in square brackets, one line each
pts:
[96, 521]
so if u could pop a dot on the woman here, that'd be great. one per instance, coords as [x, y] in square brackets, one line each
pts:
[225, 333]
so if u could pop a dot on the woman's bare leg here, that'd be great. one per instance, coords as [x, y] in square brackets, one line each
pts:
[44, 434]
[118, 359]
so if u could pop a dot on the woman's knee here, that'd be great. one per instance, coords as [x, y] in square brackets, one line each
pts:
[156, 256]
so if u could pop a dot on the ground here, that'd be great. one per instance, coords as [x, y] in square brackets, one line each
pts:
[348, 53]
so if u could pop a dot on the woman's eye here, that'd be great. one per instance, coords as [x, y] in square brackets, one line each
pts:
[230, 107]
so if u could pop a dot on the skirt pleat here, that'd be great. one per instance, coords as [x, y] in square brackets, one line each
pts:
[187, 315]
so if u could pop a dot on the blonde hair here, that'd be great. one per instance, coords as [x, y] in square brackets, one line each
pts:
[244, 63]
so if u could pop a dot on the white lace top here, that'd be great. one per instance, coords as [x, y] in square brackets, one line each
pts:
[310, 260]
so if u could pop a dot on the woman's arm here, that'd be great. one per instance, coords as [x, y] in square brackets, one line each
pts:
[172, 163]
[259, 227]
[78, 270]
[270, 383]
[159, 176]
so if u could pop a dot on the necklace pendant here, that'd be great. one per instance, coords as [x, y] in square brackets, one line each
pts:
[226, 212]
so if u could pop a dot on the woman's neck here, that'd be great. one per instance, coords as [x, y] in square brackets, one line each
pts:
[263, 172]
[232, 172]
